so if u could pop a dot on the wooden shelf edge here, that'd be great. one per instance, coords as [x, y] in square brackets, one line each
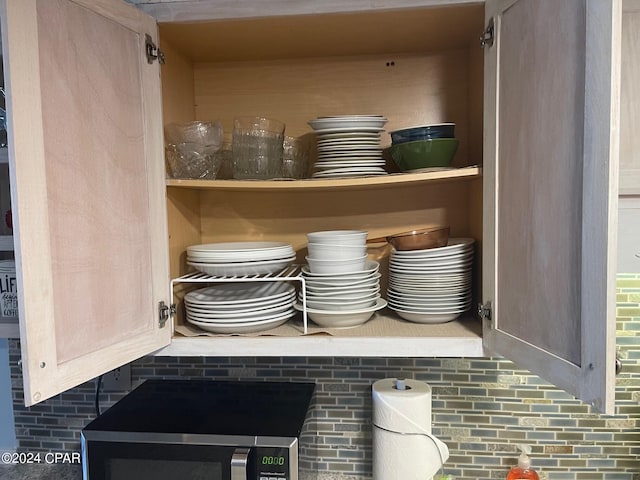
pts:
[324, 346]
[457, 339]
[392, 179]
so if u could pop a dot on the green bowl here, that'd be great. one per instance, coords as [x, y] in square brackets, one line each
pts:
[419, 154]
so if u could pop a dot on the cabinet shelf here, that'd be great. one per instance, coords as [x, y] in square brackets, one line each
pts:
[384, 335]
[394, 179]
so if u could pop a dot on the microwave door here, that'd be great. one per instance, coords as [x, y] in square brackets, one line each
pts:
[152, 459]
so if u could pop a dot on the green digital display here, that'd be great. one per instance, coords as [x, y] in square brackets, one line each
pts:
[273, 460]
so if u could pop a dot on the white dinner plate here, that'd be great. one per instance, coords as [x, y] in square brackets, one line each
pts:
[342, 130]
[239, 293]
[428, 296]
[239, 251]
[347, 145]
[250, 327]
[451, 260]
[233, 269]
[341, 165]
[454, 246]
[241, 314]
[349, 172]
[358, 162]
[426, 307]
[357, 153]
[246, 306]
[453, 308]
[424, 291]
[323, 123]
[430, 272]
[257, 316]
[430, 277]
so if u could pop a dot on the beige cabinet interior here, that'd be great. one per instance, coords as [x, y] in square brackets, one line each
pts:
[414, 67]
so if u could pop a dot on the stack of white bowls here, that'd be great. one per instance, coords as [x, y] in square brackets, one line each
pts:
[240, 258]
[342, 287]
[433, 285]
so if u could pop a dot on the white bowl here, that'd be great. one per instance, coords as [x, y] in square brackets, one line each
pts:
[427, 317]
[345, 305]
[338, 237]
[340, 278]
[401, 306]
[342, 319]
[347, 293]
[347, 265]
[436, 296]
[335, 251]
[370, 281]
[352, 296]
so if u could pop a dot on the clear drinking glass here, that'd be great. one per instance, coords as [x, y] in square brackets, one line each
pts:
[257, 147]
[295, 158]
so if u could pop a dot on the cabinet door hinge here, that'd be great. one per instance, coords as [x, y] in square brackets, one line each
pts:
[165, 313]
[487, 37]
[152, 51]
[484, 312]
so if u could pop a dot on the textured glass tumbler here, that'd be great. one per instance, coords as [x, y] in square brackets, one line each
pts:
[257, 147]
[295, 159]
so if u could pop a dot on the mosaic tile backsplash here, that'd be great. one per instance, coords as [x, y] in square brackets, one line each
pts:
[482, 408]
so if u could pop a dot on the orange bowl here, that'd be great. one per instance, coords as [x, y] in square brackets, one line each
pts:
[420, 239]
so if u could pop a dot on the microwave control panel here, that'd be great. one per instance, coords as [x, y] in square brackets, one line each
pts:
[272, 463]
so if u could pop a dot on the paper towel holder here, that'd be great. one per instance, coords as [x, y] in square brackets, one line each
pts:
[401, 384]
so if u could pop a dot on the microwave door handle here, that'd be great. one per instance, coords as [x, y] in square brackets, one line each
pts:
[239, 461]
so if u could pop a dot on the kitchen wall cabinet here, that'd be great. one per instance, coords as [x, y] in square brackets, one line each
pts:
[100, 231]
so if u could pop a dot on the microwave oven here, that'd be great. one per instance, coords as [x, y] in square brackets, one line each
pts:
[199, 429]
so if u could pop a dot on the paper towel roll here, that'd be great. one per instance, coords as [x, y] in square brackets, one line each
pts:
[407, 410]
[403, 447]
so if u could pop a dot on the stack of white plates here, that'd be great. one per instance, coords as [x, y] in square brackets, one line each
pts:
[349, 146]
[433, 285]
[240, 307]
[240, 258]
[342, 300]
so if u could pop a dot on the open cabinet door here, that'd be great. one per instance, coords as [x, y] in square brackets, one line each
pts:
[550, 199]
[87, 182]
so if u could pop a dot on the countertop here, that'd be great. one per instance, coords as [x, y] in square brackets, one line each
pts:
[40, 472]
[74, 472]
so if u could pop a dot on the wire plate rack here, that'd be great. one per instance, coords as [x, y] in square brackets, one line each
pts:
[292, 273]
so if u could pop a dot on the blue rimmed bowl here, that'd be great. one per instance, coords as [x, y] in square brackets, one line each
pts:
[423, 132]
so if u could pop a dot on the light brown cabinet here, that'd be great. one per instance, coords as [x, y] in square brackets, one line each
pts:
[100, 232]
